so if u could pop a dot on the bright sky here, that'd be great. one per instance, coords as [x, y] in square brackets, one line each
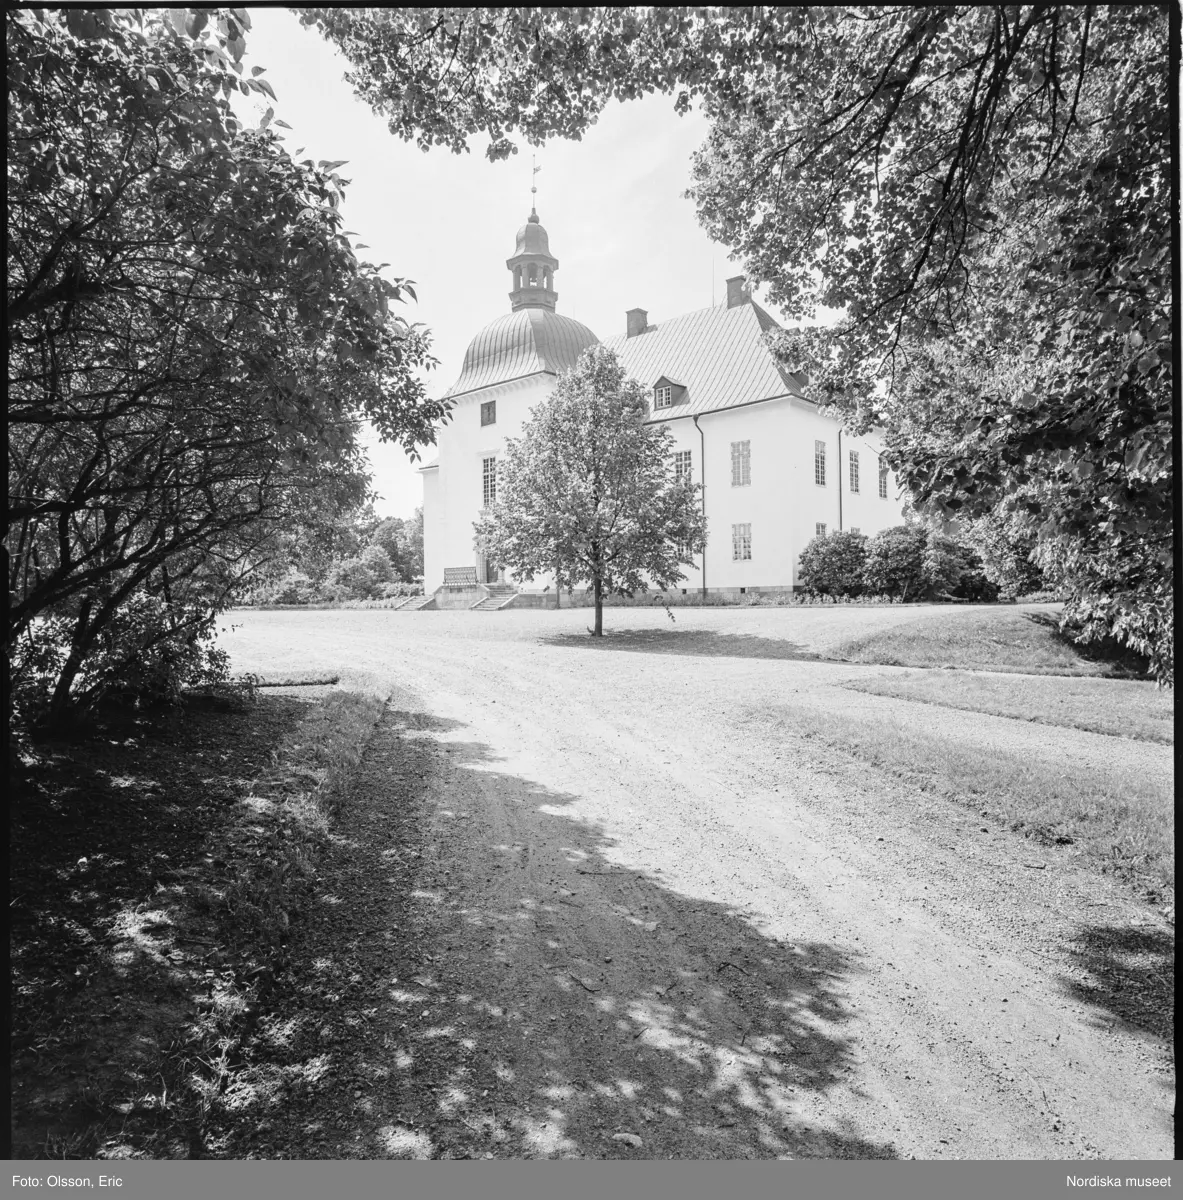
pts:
[612, 205]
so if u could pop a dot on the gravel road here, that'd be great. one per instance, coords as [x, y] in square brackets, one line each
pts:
[596, 902]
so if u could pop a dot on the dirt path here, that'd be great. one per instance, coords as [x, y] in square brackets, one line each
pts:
[591, 904]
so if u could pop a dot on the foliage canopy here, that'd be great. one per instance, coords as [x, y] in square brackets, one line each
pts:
[192, 340]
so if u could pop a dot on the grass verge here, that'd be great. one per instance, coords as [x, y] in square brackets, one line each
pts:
[1119, 707]
[268, 860]
[983, 639]
[140, 967]
[1120, 826]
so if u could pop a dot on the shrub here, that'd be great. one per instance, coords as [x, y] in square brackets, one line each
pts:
[148, 652]
[832, 564]
[1004, 544]
[293, 588]
[349, 579]
[975, 585]
[942, 565]
[895, 562]
[376, 560]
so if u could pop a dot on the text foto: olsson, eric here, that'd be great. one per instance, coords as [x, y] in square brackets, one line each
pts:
[66, 1181]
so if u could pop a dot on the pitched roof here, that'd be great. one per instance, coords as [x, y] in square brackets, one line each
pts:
[718, 354]
[526, 342]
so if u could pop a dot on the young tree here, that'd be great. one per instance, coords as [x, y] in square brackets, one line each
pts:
[588, 491]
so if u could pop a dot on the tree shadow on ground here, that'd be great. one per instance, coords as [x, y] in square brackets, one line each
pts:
[1131, 975]
[482, 979]
[105, 826]
[699, 642]
[1121, 661]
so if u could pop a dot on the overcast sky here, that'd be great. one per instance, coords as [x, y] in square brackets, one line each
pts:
[612, 205]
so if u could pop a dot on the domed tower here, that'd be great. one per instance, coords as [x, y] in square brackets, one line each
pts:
[533, 268]
[531, 338]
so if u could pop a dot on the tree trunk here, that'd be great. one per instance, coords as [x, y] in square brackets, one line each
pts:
[83, 635]
[599, 594]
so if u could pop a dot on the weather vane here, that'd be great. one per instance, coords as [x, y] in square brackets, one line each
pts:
[533, 186]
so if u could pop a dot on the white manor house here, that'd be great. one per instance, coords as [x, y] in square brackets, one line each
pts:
[775, 472]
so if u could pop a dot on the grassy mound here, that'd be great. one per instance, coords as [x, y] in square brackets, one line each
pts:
[979, 639]
[1130, 708]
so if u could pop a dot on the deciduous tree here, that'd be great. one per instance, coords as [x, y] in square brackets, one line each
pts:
[588, 491]
[192, 341]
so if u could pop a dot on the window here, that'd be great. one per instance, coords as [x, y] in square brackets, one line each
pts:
[819, 530]
[663, 396]
[882, 482]
[854, 470]
[741, 464]
[741, 542]
[489, 480]
[855, 529]
[489, 413]
[681, 464]
[819, 463]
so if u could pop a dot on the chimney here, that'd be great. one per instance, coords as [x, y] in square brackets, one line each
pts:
[738, 291]
[638, 321]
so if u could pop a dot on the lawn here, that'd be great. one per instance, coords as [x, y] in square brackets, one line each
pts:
[1120, 707]
[1120, 822]
[982, 639]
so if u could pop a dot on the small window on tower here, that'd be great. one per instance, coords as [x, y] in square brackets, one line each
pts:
[882, 482]
[663, 397]
[489, 413]
[819, 530]
[854, 470]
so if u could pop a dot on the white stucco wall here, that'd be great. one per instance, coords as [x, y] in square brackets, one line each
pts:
[450, 510]
[433, 563]
[783, 504]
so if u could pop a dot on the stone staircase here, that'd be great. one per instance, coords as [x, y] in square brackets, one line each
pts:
[415, 603]
[500, 595]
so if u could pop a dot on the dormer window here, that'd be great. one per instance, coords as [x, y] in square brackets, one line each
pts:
[668, 392]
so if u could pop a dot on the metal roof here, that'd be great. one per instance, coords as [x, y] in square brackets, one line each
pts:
[718, 354]
[527, 342]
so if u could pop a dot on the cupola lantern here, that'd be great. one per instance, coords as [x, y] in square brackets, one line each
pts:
[533, 267]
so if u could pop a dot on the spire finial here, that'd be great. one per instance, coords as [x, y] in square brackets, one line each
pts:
[534, 169]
